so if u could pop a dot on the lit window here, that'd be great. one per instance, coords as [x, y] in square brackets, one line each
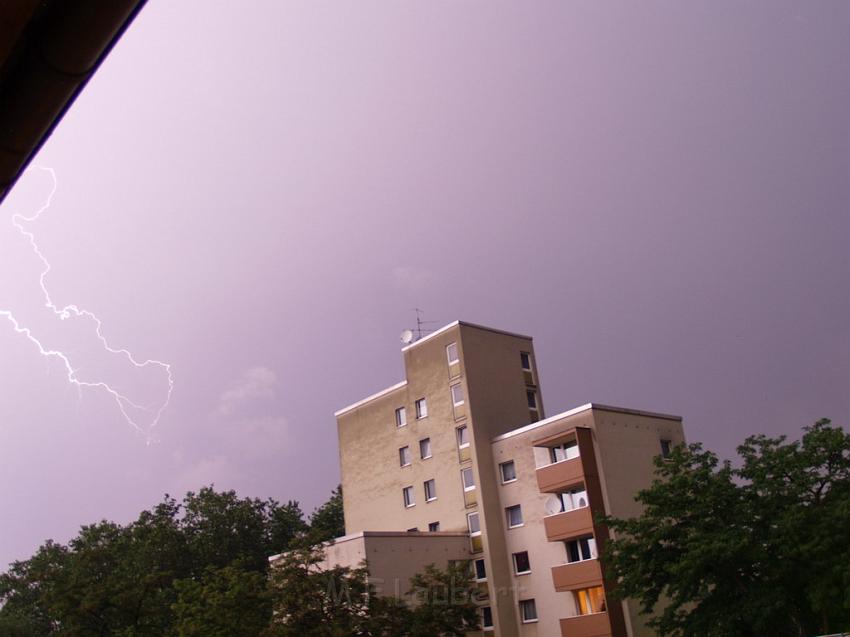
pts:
[525, 358]
[425, 448]
[566, 451]
[462, 437]
[521, 563]
[581, 549]
[508, 471]
[532, 399]
[451, 353]
[590, 600]
[408, 496]
[486, 618]
[528, 610]
[514, 516]
[404, 456]
[457, 395]
[480, 570]
[433, 527]
[430, 490]
[421, 408]
[666, 446]
[400, 417]
[473, 524]
[468, 479]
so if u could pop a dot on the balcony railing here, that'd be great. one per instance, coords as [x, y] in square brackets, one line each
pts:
[560, 475]
[593, 625]
[577, 575]
[569, 524]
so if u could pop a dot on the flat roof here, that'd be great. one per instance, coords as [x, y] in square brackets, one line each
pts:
[408, 534]
[370, 398]
[446, 328]
[580, 409]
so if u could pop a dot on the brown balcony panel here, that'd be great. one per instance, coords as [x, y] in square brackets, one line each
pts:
[572, 577]
[569, 524]
[560, 475]
[593, 625]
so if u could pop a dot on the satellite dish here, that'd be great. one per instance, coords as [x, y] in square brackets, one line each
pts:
[407, 337]
[553, 505]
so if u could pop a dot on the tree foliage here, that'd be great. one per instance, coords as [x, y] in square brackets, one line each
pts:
[757, 550]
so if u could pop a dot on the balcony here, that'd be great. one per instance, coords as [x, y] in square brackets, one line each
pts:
[560, 475]
[569, 524]
[577, 575]
[592, 625]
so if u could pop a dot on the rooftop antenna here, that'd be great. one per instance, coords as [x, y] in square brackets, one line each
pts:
[409, 336]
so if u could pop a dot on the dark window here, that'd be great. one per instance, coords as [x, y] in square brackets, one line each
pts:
[480, 570]
[525, 357]
[665, 448]
[433, 526]
[532, 399]
[521, 563]
[486, 617]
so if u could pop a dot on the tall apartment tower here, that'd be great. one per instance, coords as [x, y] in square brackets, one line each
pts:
[460, 461]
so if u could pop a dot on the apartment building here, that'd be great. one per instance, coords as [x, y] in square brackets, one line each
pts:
[463, 446]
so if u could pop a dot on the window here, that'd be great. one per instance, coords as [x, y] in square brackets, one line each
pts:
[480, 570]
[566, 451]
[525, 359]
[532, 399]
[486, 618]
[581, 549]
[508, 471]
[468, 479]
[528, 611]
[421, 408]
[408, 497]
[430, 490]
[514, 516]
[404, 456]
[462, 437]
[473, 524]
[451, 353]
[521, 563]
[573, 499]
[457, 395]
[415, 529]
[590, 600]
[400, 417]
[433, 527]
[425, 448]
[665, 448]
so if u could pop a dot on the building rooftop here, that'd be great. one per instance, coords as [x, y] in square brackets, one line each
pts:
[581, 409]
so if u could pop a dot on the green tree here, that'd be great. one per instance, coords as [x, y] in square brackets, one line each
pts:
[225, 602]
[443, 601]
[758, 550]
[328, 522]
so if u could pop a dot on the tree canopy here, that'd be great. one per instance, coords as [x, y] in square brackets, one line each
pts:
[761, 549]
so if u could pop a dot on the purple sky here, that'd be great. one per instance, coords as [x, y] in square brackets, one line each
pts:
[259, 193]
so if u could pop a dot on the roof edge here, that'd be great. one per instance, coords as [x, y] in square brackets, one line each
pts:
[370, 398]
[457, 323]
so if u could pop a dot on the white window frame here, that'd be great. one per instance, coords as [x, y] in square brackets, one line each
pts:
[573, 496]
[449, 355]
[421, 408]
[516, 567]
[523, 605]
[475, 569]
[404, 453]
[409, 497]
[430, 492]
[430, 452]
[463, 473]
[400, 417]
[591, 548]
[484, 626]
[502, 466]
[515, 507]
[465, 429]
[565, 451]
[469, 516]
[455, 401]
[527, 355]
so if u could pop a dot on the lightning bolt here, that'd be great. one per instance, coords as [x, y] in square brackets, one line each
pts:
[63, 313]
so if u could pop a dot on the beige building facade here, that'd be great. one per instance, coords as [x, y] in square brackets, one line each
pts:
[459, 461]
